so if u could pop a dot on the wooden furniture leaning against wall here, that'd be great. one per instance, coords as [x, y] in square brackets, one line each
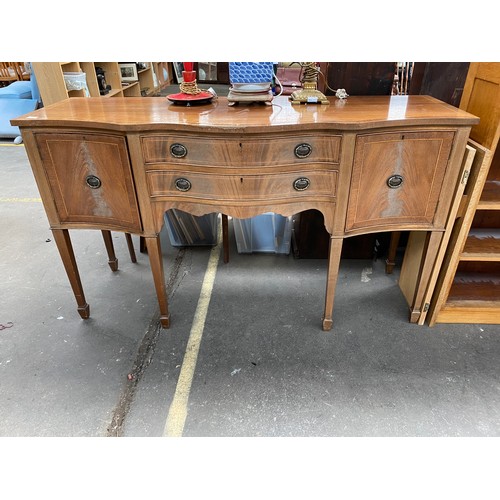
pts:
[468, 289]
[369, 164]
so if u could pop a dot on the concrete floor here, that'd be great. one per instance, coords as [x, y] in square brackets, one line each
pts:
[264, 367]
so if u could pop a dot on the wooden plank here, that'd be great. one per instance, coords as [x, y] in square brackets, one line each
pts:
[469, 155]
[410, 269]
[474, 314]
[481, 97]
[50, 81]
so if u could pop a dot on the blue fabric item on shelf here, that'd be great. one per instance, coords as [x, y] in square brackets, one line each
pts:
[16, 90]
[250, 72]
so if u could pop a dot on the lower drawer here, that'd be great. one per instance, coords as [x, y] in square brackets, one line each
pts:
[247, 187]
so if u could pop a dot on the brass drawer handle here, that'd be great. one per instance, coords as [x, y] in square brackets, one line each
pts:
[178, 150]
[93, 182]
[303, 150]
[301, 184]
[182, 184]
[395, 181]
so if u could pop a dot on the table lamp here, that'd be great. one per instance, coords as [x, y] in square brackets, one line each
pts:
[310, 93]
[190, 93]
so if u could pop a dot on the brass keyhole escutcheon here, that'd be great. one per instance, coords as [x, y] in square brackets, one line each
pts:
[178, 150]
[93, 182]
[301, 184]
[395, 181]
[182, 184]
[303, 150]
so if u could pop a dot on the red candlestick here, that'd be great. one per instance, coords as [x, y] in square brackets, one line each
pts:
[188, 74]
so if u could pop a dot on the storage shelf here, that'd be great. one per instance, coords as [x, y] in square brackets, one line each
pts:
[52, 87]
[480, 287]
[113, 92]
[76, 93]
[469, 283]
[472, 311]
[482, 245]
[490, 197]
[124, 87]
[471, 301]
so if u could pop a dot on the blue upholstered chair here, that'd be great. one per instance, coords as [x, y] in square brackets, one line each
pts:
[18, 98]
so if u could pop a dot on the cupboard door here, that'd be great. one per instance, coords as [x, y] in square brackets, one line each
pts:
[91, 179]
[397, 179]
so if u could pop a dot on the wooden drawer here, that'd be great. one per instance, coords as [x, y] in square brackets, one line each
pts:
[90, 179]
[259, 151]
[397, 178]
[289, 185]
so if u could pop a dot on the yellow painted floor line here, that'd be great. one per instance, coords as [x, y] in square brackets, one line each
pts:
[12, 145]
[20, 200]
[177, 413]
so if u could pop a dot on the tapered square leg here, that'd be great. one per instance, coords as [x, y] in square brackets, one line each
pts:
[110, 249]
[130, 245]
[225, 238]
[156, 262]
[63, 242]
[334, 252]
[391, 254]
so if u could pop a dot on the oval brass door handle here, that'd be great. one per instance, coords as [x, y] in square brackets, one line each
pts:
[178, 150]
[93, 182]
[182, 184]
[395, 181]
[301, 183]
[303, 150]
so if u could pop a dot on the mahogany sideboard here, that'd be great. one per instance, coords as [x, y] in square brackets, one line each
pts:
[368, 164]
